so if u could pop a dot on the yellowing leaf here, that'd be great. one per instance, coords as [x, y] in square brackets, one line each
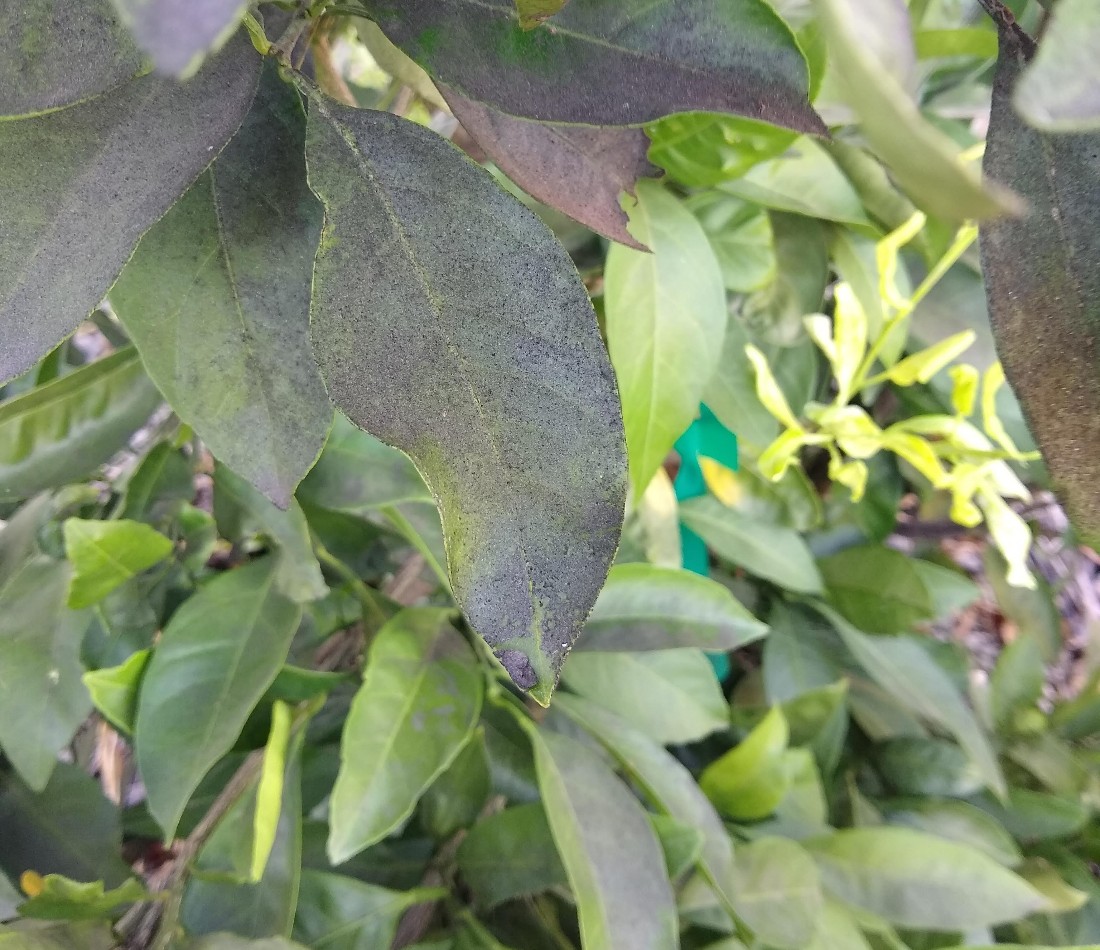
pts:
[750, 780]
[849, 338]
[886, 256]
[820, 329]
[854, 430]
[1010, 534]
[269, 791]
[852, 474]
[917, 452]
[964, 389]
[721, 481]
[783, 452]
[768, 391]
[992, 381]
[921, 367]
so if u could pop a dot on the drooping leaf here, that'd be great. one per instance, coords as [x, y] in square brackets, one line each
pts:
[67, 828]
[1043, 270]
[217, 655]
[579, 170]
[922, 158]
[666, 782]
[80, 186]
[920, 881]
[778, 892]
[666, 317]
[672, 696]
[341, 913]
[509, 855]
[42, 698]
[179, 36]
[500, 332]
[1058, 92]
[60, 432]
[775, 554]
[53, 56]
[114, 690]
[216, 298]
[643, 607]
[611, 854]
[418, 704]
[732, 56]
[396, 63]
[106, 554]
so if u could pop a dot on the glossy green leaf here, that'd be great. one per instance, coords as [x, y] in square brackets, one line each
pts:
[778, 892]
[217, 655]
[67, 828]
[764, 550]
[501, 330]
[510, 854]
[666, 782]
[106, 554]
[579, 170]
[749, 781]
[876, 588]
[912, 765]
[341, 913]
[611, 854]
[740, 235]
[665, 318]
[922, 158]
[920, 881]
[736, 57]
[51, 57]
[906, 671]
[239, 508]
[672, 696]
[42, 698]
[417, 707]
[62, 898]
[81, 186]
[1041, 270]
[1058, 91]
[955, 821]
[60, 432]
[644, 607]
[228, 269]
[114, 690]
[177, 37]
[456, 798]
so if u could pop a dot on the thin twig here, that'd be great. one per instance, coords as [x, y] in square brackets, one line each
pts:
[1006, 23]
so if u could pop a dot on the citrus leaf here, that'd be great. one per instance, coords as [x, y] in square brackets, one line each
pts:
[229, 269]
[732, 56]
[106, 554]
[533, 12]
[52, 56]
[578, 170]
[1043, 270]
[525, 459]
[217, 655]
[178, 36]
[80, 186]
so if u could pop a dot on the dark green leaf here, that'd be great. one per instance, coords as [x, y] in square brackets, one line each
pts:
[672, 696]
[801, 654]
[340, 913]
[1033, 611]
[778, 892]
[68, 828]
[775, 554]
[578, 170]
[509, 855]
[42, 699]
[1017, 681]
[114, 690]
[665, 317]
[1035, 816]
[956, 821]
[229, 270]
[80, 186]
[736, 57]
[52, 56]
[501, 331]
[418, 704]
[62, 898]
[179, 37]
[876, 588]
[609, 849]
[158, 485]
[106, 554]
[1043, 270]
[60, 432]
[455, 799]
[643, 607]
[217, 655]
[915, 766]
[917, 880]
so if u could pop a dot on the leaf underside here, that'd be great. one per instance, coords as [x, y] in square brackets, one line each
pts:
[526, 457]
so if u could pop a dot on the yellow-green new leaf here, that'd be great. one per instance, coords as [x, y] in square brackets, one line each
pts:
[749, 781]
[921, 367]
[106, 554]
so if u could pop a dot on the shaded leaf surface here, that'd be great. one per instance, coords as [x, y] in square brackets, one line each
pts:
[40, 35]
[81, 186]
[526, 459]
[178, 36]
[778, 892]
[579, 170]
[217, 655]
[1059, 93]
[1043, 270]
[216, 298]
[58, 433]
[42, 698]
[704, 55]
[418, 704]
